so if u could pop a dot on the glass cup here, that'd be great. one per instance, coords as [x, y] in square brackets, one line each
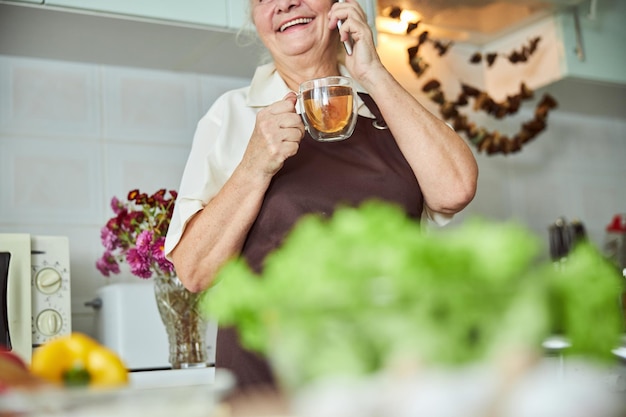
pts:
[328, 107]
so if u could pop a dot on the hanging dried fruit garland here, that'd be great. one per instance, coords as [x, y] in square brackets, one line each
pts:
[514, 57]
[483, 139]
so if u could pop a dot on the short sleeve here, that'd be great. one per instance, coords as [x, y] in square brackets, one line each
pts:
[436, 218]
[218, 145]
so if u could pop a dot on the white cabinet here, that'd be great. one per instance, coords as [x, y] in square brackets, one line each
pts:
[602, 38]
[230, 14]
[203, 12]
[239, 14]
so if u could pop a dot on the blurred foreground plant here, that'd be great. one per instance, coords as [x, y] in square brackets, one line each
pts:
[368, 288]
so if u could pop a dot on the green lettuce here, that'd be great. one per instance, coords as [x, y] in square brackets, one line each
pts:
[369, 287]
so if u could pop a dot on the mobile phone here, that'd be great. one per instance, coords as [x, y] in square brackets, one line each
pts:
[346, 44]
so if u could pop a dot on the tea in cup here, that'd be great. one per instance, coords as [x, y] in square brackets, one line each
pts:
[328, 107]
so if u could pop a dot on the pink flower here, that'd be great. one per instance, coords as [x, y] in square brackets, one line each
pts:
[136, 234]
[139, 263]
[116, 205]
[108, 264]
[159, 256]
[109, 239]
[144, 242]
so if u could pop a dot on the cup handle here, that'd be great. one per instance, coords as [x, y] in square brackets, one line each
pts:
[300, 110]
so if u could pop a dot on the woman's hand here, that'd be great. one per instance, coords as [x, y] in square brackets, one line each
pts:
[217, 233]
[354, 27]
[276, 136]
[442, 162]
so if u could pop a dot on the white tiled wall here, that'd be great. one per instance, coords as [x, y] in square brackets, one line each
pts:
[576, 168]
[50, 99]
[149, 107]
[74, 135]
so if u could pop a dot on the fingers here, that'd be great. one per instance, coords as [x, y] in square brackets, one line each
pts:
[291, 97]
[276, 136]
[288, 118]
[364, 58]
[353, 28]
[347, 12]
[286, 105]
[284, 116]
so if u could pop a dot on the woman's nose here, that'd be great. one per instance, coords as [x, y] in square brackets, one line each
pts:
[285, 5]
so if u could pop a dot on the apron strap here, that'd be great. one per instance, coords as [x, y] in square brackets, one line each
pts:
[379, 123]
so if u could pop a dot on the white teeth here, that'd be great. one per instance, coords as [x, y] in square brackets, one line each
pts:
[295, 22]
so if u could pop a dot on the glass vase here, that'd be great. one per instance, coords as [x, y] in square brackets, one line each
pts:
[185, 325]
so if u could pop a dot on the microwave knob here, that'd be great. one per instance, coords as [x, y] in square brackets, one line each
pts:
[49, 322]
[48, 281]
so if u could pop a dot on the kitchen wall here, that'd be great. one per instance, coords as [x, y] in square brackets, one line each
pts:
[576, 168]
[74, 135]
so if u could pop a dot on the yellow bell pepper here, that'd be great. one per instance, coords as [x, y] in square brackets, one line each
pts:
[78, 360]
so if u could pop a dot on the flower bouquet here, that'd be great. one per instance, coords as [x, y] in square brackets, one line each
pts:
[136, 235]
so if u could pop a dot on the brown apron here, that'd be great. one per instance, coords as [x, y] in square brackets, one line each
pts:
[320, 177]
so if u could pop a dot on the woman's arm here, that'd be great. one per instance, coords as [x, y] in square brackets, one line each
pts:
[218, 231]
[442, 162]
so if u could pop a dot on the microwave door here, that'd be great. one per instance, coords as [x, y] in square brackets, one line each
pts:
[5, 337]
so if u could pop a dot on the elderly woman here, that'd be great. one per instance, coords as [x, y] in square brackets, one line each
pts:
[253, 170]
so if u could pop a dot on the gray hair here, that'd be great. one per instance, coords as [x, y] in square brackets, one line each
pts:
[247, 36]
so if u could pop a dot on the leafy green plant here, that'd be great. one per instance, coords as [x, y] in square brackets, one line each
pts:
[352, 294]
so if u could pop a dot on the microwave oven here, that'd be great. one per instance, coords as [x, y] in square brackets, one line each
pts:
[35, 297]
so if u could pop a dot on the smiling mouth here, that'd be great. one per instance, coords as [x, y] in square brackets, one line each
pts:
[300, 21]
